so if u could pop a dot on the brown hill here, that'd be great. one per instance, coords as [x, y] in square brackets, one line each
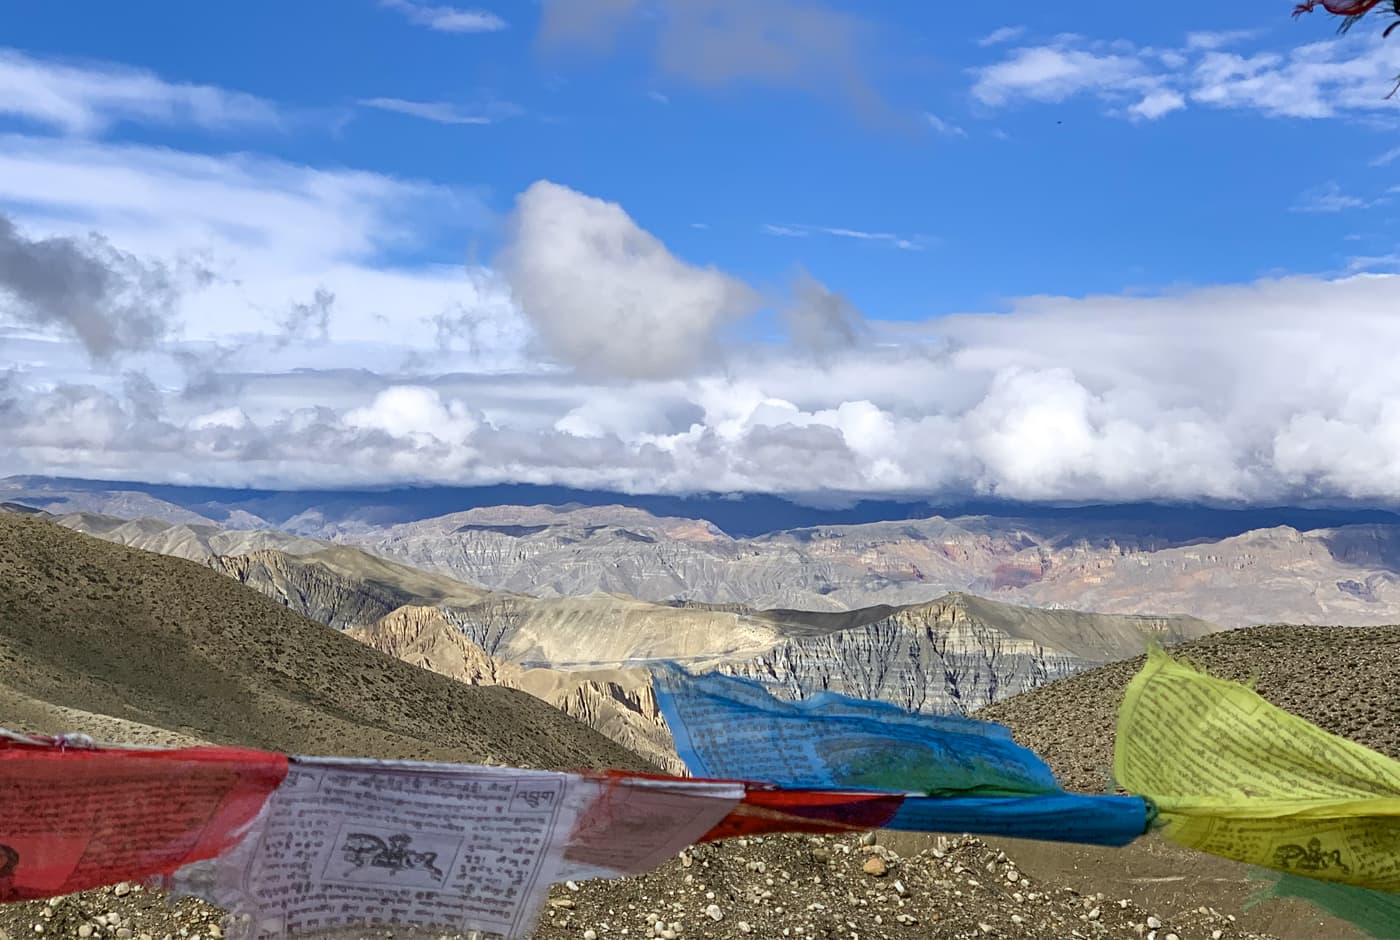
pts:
[145, 638]
[1340, 678]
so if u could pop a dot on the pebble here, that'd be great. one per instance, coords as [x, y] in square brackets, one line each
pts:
[590, 935]
[744, 927]
[1153, 923]
[875, 866]
[714, 913]
[1095, 914]
[85, 930]
[122, 890]
[1012, 875]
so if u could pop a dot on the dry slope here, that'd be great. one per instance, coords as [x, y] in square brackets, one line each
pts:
[88, 625]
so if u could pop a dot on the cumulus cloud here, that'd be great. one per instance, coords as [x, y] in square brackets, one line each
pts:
[794, 43]
[1327, 79]
[111, 301]
[1277, 390]
[606, 296]
[86, 98]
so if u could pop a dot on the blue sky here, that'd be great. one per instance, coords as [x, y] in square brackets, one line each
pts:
[1158, 166]
[1032, 197]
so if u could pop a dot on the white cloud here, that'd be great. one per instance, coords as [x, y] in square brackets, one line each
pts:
[446, 19]
[903, 242]
[1004, 34]
[440, 112]
[946, 128]
[1157, 104]
[1347, 76]
[1218, 39]
[1276, 390]
[1052, 74]
[1328, 197]
[86, 98]
[605, 295]
[1387, 158]
[1270, 391]
[248, 238]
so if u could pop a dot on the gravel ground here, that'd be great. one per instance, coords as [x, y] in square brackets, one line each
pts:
[763, 888]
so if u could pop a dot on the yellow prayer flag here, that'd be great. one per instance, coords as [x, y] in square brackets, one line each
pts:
[1235, 776]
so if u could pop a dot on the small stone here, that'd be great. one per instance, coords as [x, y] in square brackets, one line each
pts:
[1153, 923]
[216, 931]
[743, 926]
[714, 913]
[590, 935]
[565, 903]
[1171, 936]
[122, 889]
[85, 930]
[1095, 914]
[571, 885]
[1017, 919]
[899, 888]
[1216, 934]
[1012, 875]
[985, 928]
[875, 866]
[38, 928]
[124, 933]
[867, 838]
[687, 860]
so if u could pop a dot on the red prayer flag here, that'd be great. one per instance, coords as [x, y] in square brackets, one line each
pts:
[73, 819]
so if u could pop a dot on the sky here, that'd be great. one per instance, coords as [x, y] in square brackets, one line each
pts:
[1085, 251]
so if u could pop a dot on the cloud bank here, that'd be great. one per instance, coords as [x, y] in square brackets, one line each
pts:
[239, 320]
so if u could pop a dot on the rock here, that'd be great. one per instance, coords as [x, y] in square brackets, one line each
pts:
[1095, 914]
[590, 934]
[875, 866]
[85, 930]
[867, 838]
[744, 927]
[713, 912]
[122, 890]
[1153, 923]
[125, 933]
[1012, 875]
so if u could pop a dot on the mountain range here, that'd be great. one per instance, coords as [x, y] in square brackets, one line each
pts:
[1230, 568]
